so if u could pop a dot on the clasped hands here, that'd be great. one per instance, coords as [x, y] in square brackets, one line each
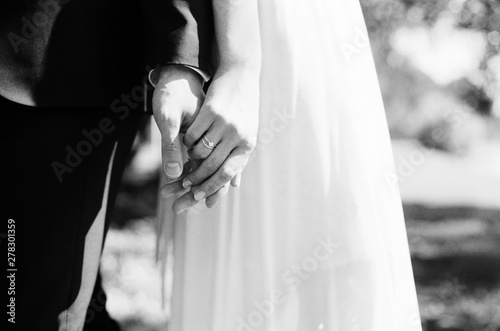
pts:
[226, 116]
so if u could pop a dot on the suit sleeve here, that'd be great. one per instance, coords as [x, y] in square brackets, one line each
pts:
[178, 31]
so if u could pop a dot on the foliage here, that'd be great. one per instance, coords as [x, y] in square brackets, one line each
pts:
[385, 17]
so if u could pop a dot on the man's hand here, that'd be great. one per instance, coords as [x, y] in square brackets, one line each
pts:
[177, 99]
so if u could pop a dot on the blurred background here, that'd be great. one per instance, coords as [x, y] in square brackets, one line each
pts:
[439, 69]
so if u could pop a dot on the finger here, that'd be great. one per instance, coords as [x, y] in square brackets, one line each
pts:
[233, 165]
[172, 158]
[175, 187]
[207, 143]
[209, 166]
[185, 202]
[236, 181]
[171, 189]
[201, 124]
[169, 122]
[192, 165]
[217, 196]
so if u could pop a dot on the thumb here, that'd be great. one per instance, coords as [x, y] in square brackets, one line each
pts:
[171, 149]
[172, 157]
[167, 116]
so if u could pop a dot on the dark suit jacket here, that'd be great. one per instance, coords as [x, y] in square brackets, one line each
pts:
[91, 52]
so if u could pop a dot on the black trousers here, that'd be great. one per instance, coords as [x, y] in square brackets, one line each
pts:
[61, 169]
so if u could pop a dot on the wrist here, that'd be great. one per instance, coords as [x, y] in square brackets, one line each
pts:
[173, 72]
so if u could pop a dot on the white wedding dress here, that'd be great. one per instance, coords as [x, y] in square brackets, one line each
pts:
[314, 239]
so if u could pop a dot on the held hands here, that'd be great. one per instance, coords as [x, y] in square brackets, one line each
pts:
[228, 119]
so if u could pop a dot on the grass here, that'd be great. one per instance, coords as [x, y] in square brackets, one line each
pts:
[456, 264]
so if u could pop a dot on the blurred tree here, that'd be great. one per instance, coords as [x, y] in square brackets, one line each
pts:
[408, 92]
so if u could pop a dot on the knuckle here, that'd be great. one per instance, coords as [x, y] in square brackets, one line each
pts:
[211, 167]
[167, 140]
[198, 153]
[189, 138]
[227, 174]
[172, 147]
[231, 128]
[211, 188]
[240, 137]
[249, 143]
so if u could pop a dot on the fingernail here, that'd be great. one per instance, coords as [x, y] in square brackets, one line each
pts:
[199, 195]
[173, 170]
[186, 183]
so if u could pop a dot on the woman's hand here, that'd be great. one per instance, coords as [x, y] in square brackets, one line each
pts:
[229, 120]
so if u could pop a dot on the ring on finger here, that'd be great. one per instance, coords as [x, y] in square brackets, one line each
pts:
[207, 143]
